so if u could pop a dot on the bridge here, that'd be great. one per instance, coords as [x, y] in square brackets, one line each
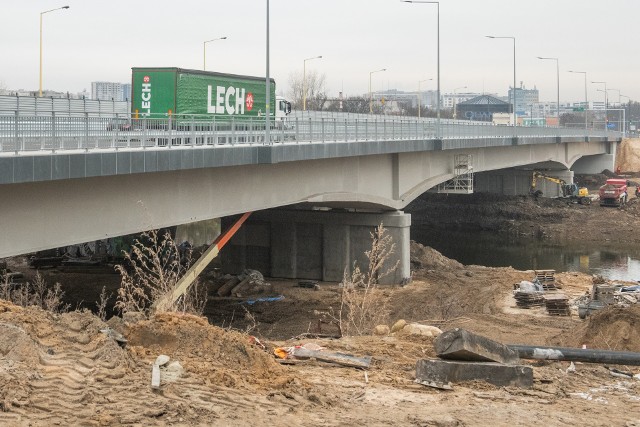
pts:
[72, 179]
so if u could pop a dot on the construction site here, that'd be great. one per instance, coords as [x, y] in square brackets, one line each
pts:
[81, 343]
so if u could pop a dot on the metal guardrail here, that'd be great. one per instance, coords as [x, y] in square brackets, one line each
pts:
[20, 133]
[43, 106]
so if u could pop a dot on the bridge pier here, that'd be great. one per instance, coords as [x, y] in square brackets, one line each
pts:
[514, 182]
[317, 245]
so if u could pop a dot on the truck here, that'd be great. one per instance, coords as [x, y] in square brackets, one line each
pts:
[193, 94]
[502, 119]
[614, 192]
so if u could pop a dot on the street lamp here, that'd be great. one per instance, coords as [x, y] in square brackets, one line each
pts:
[42, 13]
[558, 83]
[617, 90]
[628, 115]
[437, 3]
[370, 94]
[420, 95]
[267, 118]
[606, 102]
[514, 75]
[304, 81]
[455, 103]
[204, 63]
[586, 100]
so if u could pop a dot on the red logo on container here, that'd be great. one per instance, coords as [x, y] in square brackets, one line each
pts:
[146, 79]
[249, 101]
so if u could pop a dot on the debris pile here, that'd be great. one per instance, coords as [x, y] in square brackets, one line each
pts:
[542, 292]
[249, 282]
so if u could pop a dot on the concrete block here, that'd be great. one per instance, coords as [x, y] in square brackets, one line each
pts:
[442, 372]
[460, 344]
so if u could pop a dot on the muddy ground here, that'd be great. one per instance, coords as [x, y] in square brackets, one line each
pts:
[59, 369]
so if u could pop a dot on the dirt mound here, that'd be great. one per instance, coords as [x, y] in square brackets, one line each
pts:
[424, 257]
[613, 328]
[628, 155]
[222, 356]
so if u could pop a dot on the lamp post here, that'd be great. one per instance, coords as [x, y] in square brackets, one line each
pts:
[267, 118]
[514, 75]
[42, 13]
[420, 95]
[586, 100]
[617, 90]
[455, 103]
[558, 84]
[370, 93]
[304, 81]
[437, 3]
[629, 115]
[204, 62]
[606, 102]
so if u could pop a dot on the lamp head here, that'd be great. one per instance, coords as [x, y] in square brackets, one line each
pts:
[223, 38]
[65, 7]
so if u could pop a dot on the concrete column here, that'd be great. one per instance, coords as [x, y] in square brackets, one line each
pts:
[317, 244]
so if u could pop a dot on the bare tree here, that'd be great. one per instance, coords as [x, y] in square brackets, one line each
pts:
[316, 89]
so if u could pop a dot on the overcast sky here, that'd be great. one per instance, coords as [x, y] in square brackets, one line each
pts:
[100, 40]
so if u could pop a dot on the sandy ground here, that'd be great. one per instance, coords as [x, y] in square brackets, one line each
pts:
[60, 369]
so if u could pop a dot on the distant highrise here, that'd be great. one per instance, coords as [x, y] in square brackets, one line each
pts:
[107, 91]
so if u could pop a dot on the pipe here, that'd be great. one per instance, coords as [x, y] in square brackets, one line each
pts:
[577, 354]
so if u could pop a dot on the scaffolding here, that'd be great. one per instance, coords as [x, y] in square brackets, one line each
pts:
[462, 181]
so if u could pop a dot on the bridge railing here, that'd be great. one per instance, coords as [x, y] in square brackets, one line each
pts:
[20, 133]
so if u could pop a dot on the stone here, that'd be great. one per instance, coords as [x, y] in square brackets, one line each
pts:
[460, 344]
[424, 330]
[381, 330]
[398, 325]
[433, 371]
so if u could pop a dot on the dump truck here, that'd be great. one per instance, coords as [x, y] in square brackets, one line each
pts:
[193, 94]
[614, 192]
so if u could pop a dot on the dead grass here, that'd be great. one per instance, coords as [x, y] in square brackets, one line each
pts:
[151, 271]
[363, 305]
[35, 293]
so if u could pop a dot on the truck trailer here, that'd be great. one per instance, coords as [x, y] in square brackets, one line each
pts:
[193, 94]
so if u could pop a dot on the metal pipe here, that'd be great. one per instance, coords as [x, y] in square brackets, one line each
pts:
[577, 354]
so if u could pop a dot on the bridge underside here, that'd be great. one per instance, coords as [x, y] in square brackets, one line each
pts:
[45, 214]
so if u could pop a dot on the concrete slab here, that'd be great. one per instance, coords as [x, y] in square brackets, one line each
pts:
[460, 344]
[443, 372]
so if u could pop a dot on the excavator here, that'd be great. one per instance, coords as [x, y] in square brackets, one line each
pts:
[569, 191]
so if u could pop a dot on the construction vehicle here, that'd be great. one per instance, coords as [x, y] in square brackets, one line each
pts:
[614, 192]
[569, 191]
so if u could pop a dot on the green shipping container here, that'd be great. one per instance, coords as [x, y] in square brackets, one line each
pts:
[160, 92]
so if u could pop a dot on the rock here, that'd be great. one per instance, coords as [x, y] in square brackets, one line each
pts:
[381, 330]
[398, 325]
[162, 360]
[424, 330]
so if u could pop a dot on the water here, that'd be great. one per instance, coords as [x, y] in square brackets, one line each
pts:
[609, 259]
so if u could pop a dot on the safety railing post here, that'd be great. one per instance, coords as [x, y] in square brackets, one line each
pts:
[310, 130]
[322, 125]
[366, 129]
[297, 131]
[86, 131]
[356, 130]
[233, 131]
[335, 129]
[53, 132]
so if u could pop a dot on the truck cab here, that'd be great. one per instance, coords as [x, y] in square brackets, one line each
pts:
[283, 109]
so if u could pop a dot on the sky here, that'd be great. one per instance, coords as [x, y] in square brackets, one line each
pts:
[100, 40]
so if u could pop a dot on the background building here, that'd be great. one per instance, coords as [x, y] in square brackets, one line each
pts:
[107, 91]
[481, 108]
[524, 99]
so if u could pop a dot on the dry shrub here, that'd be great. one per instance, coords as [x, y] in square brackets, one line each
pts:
[363, 305]
[151, 271]
[34, 293]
